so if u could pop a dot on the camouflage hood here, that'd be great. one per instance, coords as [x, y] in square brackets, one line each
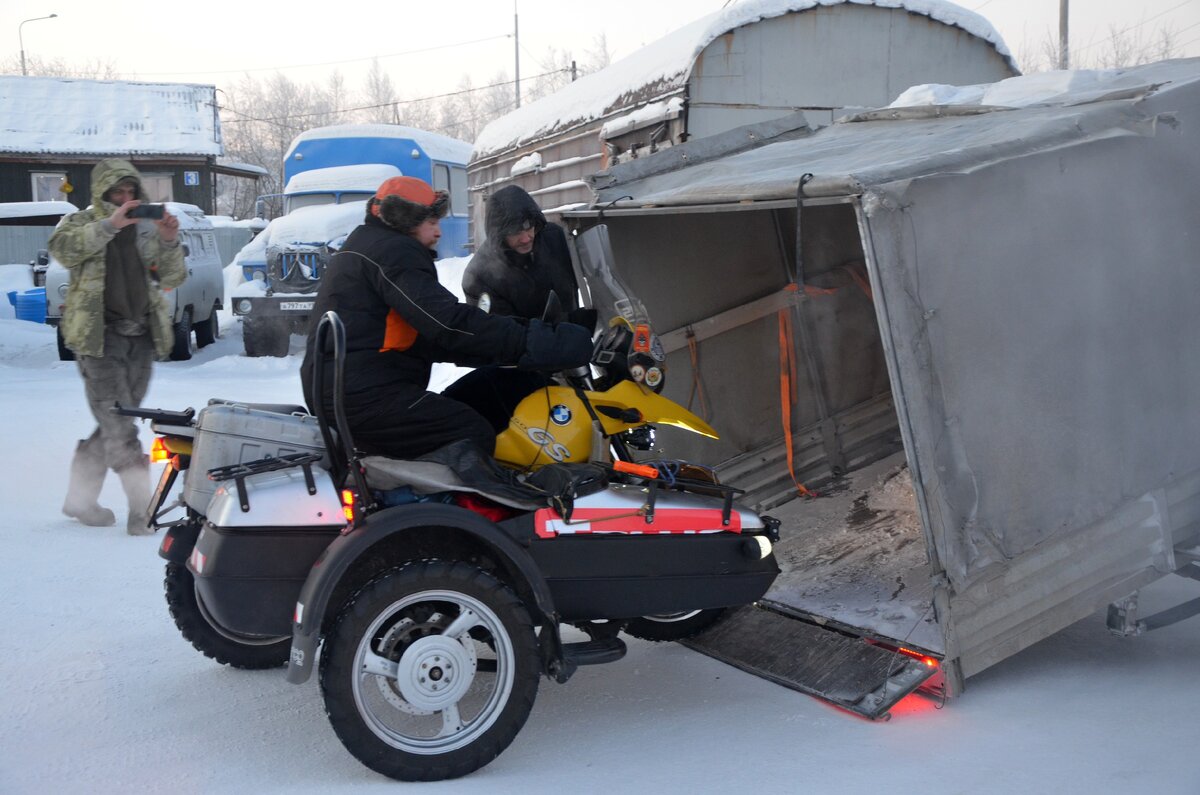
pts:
[105, 175]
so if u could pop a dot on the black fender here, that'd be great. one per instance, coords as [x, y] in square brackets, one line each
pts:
[340, 555]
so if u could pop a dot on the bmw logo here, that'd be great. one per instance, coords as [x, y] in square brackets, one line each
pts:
[560, 414]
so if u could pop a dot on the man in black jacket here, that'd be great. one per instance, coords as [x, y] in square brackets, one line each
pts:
[522, 261]
[399, 320]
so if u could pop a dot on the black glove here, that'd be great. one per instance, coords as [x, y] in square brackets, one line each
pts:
[562, 347]
[583, 316]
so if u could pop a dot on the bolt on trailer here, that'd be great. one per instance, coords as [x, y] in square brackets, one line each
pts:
[960, 327]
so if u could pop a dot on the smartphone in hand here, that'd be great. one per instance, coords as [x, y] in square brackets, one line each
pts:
[152, 211]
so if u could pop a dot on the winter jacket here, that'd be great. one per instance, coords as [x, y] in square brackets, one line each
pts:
[399, 320]
[517, 285]
[80, 244]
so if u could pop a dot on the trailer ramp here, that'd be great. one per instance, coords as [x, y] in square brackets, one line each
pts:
[849, 671]
[854, 588]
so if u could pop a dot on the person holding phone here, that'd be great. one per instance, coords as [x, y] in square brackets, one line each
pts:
[121, 254]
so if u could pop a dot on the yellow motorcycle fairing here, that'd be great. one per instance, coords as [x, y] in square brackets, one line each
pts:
[553, 425]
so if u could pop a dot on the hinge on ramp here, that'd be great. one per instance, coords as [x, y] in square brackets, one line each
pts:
[848, 671]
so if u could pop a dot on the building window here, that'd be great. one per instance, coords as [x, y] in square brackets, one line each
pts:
[458, 191]
[47, 186]
[158, 187]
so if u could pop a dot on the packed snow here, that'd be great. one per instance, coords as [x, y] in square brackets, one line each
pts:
[102, 694]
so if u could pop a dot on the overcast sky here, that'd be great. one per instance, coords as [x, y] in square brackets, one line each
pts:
[219, 41]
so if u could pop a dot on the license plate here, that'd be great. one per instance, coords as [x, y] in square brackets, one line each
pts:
[295, 305]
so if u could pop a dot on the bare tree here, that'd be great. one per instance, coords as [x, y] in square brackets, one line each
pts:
[380, 97]
[37, 66]
[1122, 47]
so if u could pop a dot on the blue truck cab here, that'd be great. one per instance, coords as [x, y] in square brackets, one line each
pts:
[324, 168]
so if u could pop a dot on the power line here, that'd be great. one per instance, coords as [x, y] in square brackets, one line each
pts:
[247, 118]
[1078, 50]
[329, 63]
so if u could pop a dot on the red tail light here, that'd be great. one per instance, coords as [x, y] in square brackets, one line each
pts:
[348, 504]
[927, 661]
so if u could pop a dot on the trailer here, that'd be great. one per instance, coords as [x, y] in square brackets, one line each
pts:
[949, 347]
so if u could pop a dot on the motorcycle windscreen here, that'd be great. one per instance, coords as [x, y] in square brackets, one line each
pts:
[608, 294]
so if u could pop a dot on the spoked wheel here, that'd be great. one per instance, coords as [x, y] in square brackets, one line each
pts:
[430, 671]
[196, 624]
[673, 626]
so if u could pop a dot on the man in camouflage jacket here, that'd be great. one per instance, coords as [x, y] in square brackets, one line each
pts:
[117, 321]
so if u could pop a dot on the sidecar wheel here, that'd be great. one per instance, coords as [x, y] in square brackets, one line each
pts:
[430, 671]
[675, 626]
[250, 652]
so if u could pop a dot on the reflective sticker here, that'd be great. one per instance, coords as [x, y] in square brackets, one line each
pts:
[485, 302]
[653, 377]
[560, 414]
[637, 372]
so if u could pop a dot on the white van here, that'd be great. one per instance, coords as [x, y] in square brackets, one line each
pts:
[194, 303]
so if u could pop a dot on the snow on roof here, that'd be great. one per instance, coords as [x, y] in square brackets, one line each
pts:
[247, 167]
[365, 177]
[890, 145]
[1017, 92]
[667, 63]
[35, 209]
[438, 147]
[58, 115]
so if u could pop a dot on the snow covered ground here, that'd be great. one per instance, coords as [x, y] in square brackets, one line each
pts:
[101, 695]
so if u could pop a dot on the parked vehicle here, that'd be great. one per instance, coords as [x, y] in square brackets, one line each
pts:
[342, 164]
[439, 587]
[194, 303]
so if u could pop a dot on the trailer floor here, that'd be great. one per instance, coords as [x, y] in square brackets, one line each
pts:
[856, 555]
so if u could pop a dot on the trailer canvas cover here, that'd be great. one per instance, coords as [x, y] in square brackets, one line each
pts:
[1036, 279]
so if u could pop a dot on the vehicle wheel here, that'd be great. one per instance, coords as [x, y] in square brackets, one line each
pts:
[181, 351]
[251, 652]
[673, 626]
[430, 671]
[207, 331]
[265, 337]
[64, 353]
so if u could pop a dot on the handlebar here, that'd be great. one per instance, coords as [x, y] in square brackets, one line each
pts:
[164, 416]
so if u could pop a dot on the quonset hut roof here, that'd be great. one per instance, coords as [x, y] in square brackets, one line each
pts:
[1031, 113]
[665, 66]
[438, 147]
[56, 115]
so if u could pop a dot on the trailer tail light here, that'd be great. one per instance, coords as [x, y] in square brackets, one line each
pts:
[348, 505]
[158, 451]
[926, 660]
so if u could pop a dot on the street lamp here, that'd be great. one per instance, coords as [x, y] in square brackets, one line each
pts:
[22, 41]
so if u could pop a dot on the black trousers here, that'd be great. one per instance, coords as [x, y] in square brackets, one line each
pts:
[408, 422]
[494, 392]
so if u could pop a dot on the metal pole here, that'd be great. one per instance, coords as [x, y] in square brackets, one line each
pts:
[517, 54]
[21, 40]
[1064, 47]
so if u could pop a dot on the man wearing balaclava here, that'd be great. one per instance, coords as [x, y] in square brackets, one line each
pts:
[116, 321]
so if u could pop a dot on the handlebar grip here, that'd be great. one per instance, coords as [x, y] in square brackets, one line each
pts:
[641, 470]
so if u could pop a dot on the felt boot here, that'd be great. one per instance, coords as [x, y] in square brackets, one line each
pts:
[87, 476]
[135, 479]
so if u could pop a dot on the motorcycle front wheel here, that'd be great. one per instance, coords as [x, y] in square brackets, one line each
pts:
[430, 671]
[196, 624]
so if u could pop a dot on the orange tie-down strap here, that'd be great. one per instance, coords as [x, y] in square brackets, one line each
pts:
[787, 392]
[398, 335]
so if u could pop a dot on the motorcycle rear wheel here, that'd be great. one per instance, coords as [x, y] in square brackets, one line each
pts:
[248, 652]
[430, 671]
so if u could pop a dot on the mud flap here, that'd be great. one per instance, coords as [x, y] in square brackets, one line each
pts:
[842, 669]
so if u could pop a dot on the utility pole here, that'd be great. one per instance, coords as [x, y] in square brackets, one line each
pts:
[1064, 47]
[517, 54]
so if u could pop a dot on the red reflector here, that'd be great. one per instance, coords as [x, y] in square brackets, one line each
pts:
[167, 542]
